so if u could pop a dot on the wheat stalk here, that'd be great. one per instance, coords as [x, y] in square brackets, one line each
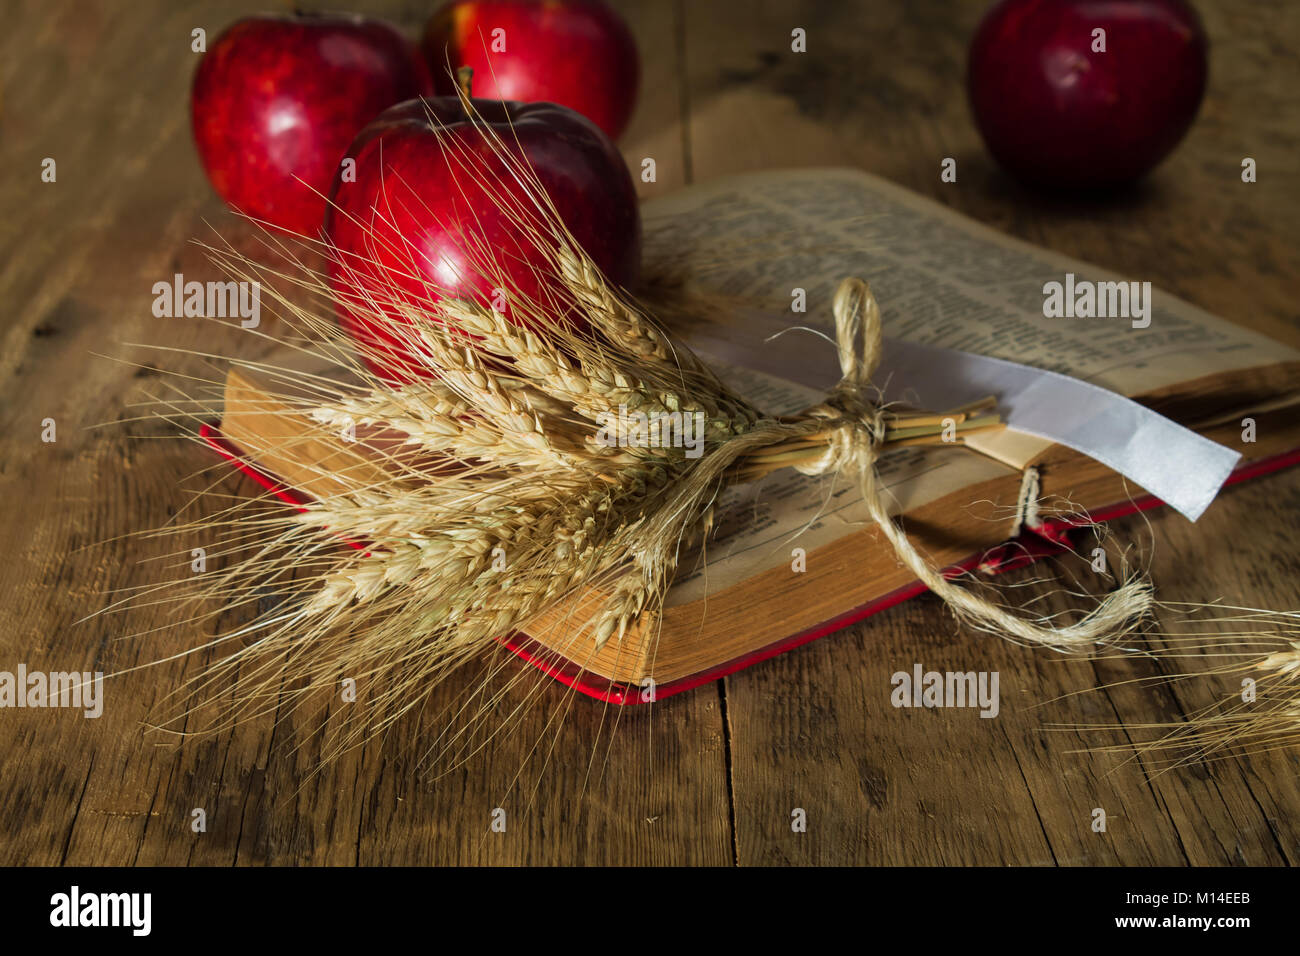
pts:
[502, 501]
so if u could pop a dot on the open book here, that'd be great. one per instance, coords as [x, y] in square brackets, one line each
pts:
[795, 557]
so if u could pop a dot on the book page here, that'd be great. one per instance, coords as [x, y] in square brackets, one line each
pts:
[940, 279]
[758, 524]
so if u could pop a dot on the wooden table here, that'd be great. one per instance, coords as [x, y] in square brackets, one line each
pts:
[710, 776]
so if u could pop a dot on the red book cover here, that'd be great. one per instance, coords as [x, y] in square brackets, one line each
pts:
[1048, 538]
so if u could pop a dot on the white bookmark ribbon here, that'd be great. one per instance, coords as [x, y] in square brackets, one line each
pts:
[1174, 463]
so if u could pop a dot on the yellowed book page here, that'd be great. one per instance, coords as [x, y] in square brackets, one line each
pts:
[941, 279]
[759, 524]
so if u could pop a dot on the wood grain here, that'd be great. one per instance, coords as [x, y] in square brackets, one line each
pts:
[707, 777]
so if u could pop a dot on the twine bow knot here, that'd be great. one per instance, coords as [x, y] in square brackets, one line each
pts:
[854, 442]
[853, 424]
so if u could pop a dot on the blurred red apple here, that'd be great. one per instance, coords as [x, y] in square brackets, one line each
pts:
[436, 211]
[277, 99]
[1054, 109]
[578, 53]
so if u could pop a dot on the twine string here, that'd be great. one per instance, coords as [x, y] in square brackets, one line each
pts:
[853, 445]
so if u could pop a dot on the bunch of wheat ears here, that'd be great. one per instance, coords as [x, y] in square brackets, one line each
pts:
[487, 496]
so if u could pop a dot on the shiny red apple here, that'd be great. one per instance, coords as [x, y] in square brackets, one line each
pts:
[440, 209]
[1057, 109]
[578, 53]
[277, 100]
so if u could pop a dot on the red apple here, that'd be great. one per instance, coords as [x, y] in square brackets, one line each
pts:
[1055, 111]
[578, 53]
[277, 100]
[435, 210]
